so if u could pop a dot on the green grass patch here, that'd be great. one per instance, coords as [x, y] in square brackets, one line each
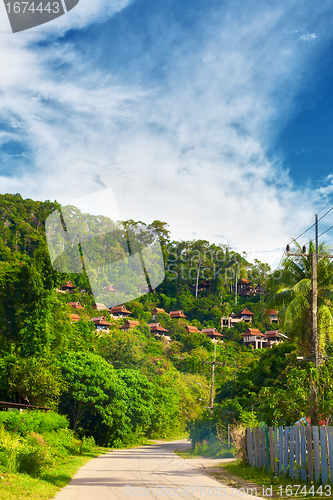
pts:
[283, 487]
[19, 486]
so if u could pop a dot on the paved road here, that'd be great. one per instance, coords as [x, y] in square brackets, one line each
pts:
[154, 472]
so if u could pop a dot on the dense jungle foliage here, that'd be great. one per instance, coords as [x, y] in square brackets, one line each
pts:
[121, 387]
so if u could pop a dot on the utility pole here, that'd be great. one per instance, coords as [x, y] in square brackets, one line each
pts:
[236, 287]
[213, 364]
[315, 356]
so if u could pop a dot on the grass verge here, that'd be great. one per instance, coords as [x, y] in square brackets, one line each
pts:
[18, 486]
[239, 475]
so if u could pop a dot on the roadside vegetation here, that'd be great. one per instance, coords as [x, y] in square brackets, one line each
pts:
[39, 454]
[117, 388]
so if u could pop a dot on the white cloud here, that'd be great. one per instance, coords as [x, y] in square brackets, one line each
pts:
[308, 37]
[191, 151]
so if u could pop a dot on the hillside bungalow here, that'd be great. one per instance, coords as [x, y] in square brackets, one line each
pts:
[272, 314]
[101, 324]
[120, 312]
[157, 311]
[245, 289]
[273, 338]
[177, 314]
[229, 321]
[99, 307]
[253, 337]
[157, 329]
[129, 325]
[68, 287]
[192, 329]
[75, 305]
[74, 318]
[212, 333]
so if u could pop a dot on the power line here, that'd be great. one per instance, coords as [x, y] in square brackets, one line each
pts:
[328, 211]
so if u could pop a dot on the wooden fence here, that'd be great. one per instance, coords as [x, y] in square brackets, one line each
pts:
[297, 451]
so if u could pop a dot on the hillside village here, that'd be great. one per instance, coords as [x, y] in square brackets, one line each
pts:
[252, 337]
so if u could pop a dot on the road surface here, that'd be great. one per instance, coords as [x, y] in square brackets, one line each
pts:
[154, 472]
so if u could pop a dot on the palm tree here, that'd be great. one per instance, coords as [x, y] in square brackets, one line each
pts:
[292, 296]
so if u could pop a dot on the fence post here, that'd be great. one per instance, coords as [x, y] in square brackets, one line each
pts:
[297, 452]
[303, 454]
[255, 443]
[323, 453]
[276, 451]
[267, 448]
[292, 452]
[280, 450]
[315, 433]
[249, 446]
[309, 448]
[330, 449]
[285, 452]
[263, 447]
[271, 448]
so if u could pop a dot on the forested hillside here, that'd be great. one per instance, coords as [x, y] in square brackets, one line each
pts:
[120, 386]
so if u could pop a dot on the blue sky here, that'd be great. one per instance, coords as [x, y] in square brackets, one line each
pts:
[213, 116]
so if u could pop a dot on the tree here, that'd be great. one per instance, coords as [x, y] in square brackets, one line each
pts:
[292, 296]
[93, 385]
[36, 381]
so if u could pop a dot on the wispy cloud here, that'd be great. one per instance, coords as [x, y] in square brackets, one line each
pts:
[188, 144]
[308, 37]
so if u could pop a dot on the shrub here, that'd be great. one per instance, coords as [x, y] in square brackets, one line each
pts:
[32, 421]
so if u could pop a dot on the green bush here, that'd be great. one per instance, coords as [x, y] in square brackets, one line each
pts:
[32, 421]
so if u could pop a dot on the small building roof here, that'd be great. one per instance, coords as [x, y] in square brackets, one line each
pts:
[76, 305]
[68, 284]
[192, 329]
[129, 324]
[177, 314]
[75, 317]
[270, 312]
[99, 306]
[244, 281]
[156, 327]
[158, 310]
[272, 334]
[101, 321]
[253, 331]
[120, 310]
[247, 312]
[212, 332]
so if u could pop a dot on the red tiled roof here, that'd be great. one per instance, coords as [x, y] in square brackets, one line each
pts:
[76, 305]
[270, 312]
[244, 281]
[68, 284]
[75, 317]
[272, 334]
[120, 310]
[211, 332]
[129, 324]
[192, 329]
[158, 310]
[253, 331]
[156, 327]
[99, 306]
[247, 311]
[100, 321]
[177, 314]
